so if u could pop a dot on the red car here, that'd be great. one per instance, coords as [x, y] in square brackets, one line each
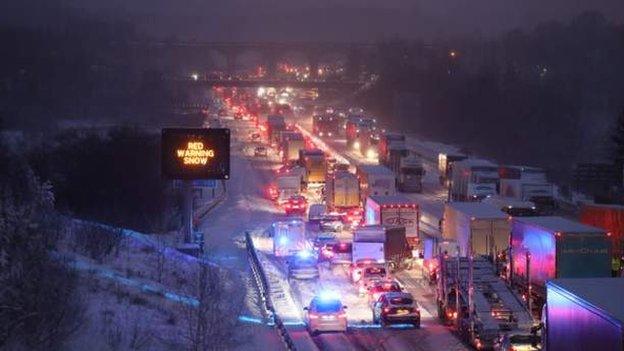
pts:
[352, 217]
[380, 287]
[296, 205]
[271, 192]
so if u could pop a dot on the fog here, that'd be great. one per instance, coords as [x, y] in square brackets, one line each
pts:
[324, 20]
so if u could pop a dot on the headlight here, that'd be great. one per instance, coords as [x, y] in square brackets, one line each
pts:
[371, 154]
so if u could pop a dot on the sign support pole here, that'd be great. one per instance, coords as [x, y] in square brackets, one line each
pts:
[187, 211]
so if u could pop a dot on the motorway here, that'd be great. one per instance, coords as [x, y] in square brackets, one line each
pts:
[246, 209]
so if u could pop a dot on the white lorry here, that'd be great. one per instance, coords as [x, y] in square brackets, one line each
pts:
[473, 180]
[410, 174]
[380, 244]
[287, 186]
[292, 142]
[394, 210]
[375, 180]
[478, 228]
[288, 237]
[342, 191]
[524, 183]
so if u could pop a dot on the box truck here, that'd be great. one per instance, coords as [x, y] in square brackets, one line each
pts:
[375, 180]
[315, 167]
[342, 191]
[525, 183]
[473, 180]
[611, 219]
[445, 165]
[410, 175]
[388, 141]
[292, 142]
[381, 244]
[555, 247]
[287, 186]
[359, 131]
[476, 227]
[275, 125]
[583, 314]
[396, 210]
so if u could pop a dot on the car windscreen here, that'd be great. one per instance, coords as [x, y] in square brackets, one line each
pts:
[342, 248]
[305, 262]
[374, 271]
[328, 306]
[401, 301]
[386, 287]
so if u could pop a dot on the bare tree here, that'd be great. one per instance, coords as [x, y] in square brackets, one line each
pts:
[212, 321]
[38, 304]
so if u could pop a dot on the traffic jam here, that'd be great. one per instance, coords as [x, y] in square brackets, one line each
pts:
[375, 232]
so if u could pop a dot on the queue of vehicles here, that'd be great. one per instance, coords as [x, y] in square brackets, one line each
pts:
[375, 251]
[509, 194]
[485, 286]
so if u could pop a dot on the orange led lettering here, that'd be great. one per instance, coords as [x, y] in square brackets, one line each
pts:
[195, 154]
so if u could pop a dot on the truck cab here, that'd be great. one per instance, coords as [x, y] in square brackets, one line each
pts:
[409, 177]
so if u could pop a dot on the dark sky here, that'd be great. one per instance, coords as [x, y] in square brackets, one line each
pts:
[320, 19]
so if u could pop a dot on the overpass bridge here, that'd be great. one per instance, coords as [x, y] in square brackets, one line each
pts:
[270, 82]
[172, 53]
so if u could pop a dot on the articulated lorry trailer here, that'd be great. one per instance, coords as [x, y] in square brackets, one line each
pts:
[445, 166]
[381, 244]
[375, 180]
[611, 219]
[545, 248]
[388, 141]
[473, 180]
[525, 183]
[292, 142]
[584, 314]
[342, 191]
[478, 228]
[275, 125]
[478, 302]
[396, 210]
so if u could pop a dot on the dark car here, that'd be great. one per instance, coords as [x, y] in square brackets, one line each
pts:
[396, 307]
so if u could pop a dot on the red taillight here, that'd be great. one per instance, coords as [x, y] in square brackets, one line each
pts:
[386, 310]
[342, 314]
[313, 316]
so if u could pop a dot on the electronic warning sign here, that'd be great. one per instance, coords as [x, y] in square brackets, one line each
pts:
[196, 153]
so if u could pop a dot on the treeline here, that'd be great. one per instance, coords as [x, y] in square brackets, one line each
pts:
[39, 307]
[110, 176]
[547, 97]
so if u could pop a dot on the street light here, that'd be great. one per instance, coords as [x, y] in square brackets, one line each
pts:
[195, 76]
